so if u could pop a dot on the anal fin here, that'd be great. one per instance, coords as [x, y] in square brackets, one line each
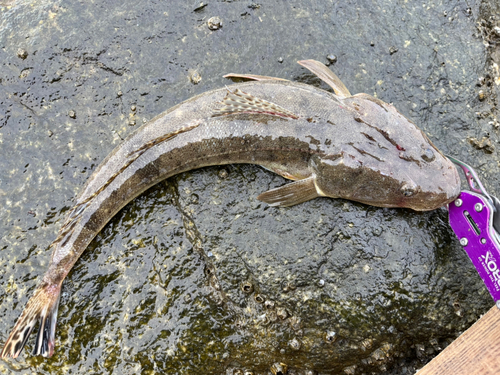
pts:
[290, 194]
[238, 101]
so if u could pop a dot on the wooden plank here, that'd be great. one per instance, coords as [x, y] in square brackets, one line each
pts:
[475, 352]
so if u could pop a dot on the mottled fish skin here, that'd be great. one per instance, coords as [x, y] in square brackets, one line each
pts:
[354, 147]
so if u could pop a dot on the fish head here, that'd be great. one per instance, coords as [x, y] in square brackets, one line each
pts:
[386, 161]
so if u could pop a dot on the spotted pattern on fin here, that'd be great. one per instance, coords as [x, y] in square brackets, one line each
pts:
[76, 213]
[42, 307]
[238, 101]
[45, 339]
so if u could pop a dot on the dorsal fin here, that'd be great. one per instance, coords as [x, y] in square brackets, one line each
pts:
[238, 101]
[327, 76]
[255, 77]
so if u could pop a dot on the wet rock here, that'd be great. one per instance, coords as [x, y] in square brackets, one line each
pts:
[294, 344]
[281, 313]
[495, 124]
[214, 23]
[330, 337]
[279, 369]
[22, 53]
[259, 298]
[390, 276]
[194, 76]
[25, 73]
[332, 59]
[247, 287]
[484, 144]
[200, 6]
[269, 304]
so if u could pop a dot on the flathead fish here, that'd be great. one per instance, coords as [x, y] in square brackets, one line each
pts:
[331, 145]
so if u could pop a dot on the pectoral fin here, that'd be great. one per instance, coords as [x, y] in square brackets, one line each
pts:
[238, 101]
[290, 194]
[327, 76]
[255, 77]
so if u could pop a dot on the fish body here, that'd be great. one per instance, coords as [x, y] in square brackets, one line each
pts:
[335, 145]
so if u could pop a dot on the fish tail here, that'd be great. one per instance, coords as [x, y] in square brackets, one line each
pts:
[42, 307]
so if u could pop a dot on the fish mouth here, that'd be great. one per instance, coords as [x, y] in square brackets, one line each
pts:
[440, 195]
[424, 201]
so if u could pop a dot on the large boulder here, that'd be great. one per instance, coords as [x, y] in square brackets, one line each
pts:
[196, 275]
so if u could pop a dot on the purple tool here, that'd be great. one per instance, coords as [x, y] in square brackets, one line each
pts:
[475, 218]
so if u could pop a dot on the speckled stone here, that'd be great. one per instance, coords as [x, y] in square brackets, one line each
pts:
[162, 281]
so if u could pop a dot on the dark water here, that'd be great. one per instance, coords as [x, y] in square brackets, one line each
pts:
[160, 290]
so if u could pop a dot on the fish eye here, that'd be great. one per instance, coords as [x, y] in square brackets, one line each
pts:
[428, 155]
[408, 190]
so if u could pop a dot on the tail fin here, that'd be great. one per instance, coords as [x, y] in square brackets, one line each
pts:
[41, 307]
